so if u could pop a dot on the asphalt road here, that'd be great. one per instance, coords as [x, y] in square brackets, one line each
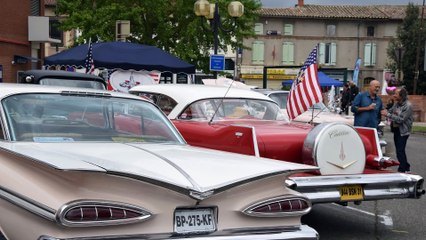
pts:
[386, 219]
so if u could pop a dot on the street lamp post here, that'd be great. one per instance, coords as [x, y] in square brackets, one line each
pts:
[399, 53]
[416, 67]
[203, 8]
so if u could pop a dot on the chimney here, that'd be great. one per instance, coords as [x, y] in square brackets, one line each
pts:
[300, 3]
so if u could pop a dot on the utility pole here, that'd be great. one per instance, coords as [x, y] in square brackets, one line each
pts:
[419, 37]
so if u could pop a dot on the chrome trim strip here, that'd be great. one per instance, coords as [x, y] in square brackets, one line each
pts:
[28, 204]
[60, 215]
[325, 189]
[255, 144]
[288, 233]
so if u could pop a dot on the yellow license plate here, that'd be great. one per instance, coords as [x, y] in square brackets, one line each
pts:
[351, 193]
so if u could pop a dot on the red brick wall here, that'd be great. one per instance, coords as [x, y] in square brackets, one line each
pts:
[419, 106]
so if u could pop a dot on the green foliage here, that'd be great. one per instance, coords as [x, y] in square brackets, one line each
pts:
[410, 34]
[168, 24]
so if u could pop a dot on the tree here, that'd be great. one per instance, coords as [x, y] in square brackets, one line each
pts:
[411, 38]
[168, 24]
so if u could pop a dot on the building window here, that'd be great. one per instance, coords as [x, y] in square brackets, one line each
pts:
[35, 7]
[288, 29]
[327, 53]
[258, 28]
[331, 30]
[288, 53]
[366, 82]
[370, 54]
[55, 32]
[370, 31]
[258, 48]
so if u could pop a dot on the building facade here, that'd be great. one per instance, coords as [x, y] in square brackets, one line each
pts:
[23, 32]
[343, 34]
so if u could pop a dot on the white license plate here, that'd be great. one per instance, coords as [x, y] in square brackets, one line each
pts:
[197, 220]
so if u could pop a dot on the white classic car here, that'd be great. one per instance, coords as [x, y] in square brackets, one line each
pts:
[90, 164]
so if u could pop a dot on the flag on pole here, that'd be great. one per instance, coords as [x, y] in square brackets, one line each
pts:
[356, 71]
[305, 90]
[89, 64]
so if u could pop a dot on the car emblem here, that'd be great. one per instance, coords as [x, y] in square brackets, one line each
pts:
[342, 157]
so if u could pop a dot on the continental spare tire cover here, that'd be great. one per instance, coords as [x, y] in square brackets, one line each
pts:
[336, 148]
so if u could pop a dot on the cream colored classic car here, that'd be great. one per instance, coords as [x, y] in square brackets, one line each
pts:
[90, 164]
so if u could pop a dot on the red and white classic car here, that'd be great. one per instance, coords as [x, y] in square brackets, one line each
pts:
[87, 164]
[351, 165]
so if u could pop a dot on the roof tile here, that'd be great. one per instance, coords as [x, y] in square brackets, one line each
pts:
[338, 12]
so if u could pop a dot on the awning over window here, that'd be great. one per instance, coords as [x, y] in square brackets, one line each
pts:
[18, 59]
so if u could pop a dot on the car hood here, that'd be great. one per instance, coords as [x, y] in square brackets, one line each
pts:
[320, 117]
[181, 166]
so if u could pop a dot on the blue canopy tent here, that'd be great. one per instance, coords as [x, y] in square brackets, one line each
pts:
[122, 55]
[323, 79]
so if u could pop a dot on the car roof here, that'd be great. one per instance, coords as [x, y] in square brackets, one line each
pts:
[7, 89]
[187, 93]
[38, 73]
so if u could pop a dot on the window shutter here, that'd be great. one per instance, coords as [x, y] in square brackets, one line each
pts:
[373, 54]
[367, 54]
[333, 52]
[321, 56]
[288, 29]
[258, 28]
[258, 52]
[288, 53]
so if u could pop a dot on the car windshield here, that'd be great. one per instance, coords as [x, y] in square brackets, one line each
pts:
[75, 116]
[72, 83]
[281, 99]
[231, 108]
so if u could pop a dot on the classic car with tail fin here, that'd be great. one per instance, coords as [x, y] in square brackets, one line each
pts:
[80, 163]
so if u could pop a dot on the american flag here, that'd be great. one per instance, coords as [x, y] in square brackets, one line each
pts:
[305, 91]
[89, 64]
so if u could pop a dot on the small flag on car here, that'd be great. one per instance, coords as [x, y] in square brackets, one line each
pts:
[89, 64]
[305, 90]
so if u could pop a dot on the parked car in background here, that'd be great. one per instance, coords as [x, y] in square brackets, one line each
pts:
[351, 165]
[91, 164]
[63, 78]
[316, 114]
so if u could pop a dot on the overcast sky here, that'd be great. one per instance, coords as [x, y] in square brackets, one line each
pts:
[291, 3]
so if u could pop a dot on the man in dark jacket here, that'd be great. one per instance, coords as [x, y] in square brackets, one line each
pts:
[354, 91]
[345, 100]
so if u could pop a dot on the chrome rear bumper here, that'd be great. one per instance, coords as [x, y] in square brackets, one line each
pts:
[303, 232]
[325, 189]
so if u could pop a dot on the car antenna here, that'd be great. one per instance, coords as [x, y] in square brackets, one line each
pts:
[313, 110]
[221, 101]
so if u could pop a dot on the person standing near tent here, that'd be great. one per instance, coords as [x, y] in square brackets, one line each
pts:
[354, 90]
[345, 99]
[367, 106]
